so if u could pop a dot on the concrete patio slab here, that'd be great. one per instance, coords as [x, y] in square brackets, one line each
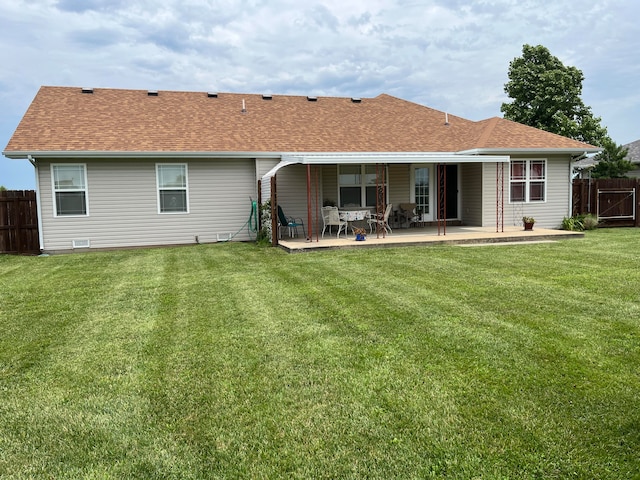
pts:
[429, 236]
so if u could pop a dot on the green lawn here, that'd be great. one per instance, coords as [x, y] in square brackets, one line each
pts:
[238, 361]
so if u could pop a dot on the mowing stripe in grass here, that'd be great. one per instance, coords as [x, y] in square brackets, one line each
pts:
[235, 361]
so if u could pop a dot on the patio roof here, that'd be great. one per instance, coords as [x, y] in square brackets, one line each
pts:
[391, 157]
[358, 158]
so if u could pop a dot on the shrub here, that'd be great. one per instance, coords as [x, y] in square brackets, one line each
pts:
[572, 223]
[590, 222]
[265, 233]
[579, 223]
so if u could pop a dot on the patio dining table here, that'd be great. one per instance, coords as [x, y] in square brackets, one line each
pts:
[351, 216]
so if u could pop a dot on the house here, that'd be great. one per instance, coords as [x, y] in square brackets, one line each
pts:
[122, 168]
[633, 155]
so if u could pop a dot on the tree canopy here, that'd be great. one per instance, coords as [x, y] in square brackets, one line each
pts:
[612, 162]
[547, 94]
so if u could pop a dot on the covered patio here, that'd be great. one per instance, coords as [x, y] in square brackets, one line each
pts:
[436, 196]
[429, 236]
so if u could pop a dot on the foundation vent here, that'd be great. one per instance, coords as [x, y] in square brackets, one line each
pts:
[80, 243]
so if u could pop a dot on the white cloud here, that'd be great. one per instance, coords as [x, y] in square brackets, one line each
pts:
[451, 55]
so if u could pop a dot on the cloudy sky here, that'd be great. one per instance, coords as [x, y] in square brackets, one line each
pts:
[452, 55]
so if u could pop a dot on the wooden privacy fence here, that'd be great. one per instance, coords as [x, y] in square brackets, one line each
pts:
[19, 222]
[615, 201]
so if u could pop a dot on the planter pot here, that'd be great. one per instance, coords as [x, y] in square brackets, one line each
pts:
[528, 226]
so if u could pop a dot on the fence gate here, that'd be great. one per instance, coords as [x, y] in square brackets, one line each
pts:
[616, 204]
[616, 201]
[19, 222]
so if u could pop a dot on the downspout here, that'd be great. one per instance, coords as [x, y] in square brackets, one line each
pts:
[33, 162]
[573, 159]
[309, 218]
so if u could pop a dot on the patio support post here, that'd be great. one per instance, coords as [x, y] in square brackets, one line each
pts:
[274, 213]
[499, 196]
[381, 198]
[438, 187]
[309, 220]
[315, 169]
[442, 197]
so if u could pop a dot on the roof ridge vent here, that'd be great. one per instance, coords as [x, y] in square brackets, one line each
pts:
[356, 99]
[312, 99]
[87, 89]
[267, 97]
[152, 93]
[212, 94]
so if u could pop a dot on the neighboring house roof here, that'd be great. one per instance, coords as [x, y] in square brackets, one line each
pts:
[586, 163]
[633, 155]
[65, 119]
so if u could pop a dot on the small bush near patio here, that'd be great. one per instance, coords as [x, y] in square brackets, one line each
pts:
[579, 223]
[238, 361]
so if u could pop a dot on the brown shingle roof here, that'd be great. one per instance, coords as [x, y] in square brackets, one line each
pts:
[64, 119]
[499, 133]
[633, 154]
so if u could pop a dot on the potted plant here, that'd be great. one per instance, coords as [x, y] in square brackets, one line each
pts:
[361, 234]
[528, 222]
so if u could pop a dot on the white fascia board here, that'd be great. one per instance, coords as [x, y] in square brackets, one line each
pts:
[392, 157]
[326, 158]
[529, 151]
[118, 155]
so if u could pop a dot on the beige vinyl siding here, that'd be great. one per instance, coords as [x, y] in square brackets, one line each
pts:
[330, 184]
[471, 186]
[548, 214]
[123, 205]
[399, 184]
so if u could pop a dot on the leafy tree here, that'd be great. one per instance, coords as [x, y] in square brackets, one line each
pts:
[546, 95]
[612, 162]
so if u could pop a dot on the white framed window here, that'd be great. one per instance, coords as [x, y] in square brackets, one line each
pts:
[357, 185]
[173, 195]
[70, 195]
[528, 181]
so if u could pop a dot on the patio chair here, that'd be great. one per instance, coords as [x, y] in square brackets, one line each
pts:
[380, 221]
[330, 218]
[291, 223]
